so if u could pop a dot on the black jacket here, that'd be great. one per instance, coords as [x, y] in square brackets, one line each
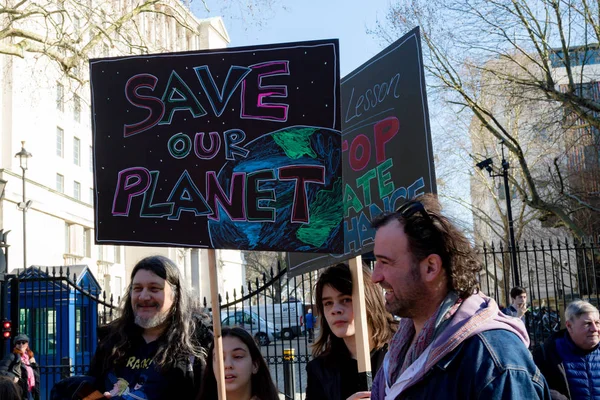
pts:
[12, 366]
[334, 376]
[550, 364]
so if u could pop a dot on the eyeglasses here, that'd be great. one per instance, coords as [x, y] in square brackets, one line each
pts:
[19, 343]
[410, 208]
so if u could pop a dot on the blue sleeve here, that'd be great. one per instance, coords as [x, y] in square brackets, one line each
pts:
[515, 384]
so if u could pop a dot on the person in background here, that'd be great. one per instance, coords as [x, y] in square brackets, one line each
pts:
[453, 342]
[153, 340]
[309, 322]
[570, 358]
[20, 365]
[518, 304]
[333, 373]
[247, 376]
[9, 389]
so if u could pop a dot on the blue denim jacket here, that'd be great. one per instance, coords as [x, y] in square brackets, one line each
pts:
[491, 365]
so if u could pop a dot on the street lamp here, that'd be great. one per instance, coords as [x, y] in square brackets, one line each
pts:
[24, 205]
[487, 165]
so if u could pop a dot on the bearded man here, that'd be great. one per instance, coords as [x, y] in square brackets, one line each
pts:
[453, 342]
[153, 338]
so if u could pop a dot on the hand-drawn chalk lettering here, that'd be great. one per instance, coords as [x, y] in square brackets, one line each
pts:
[178, 96]
[259, 108]
[217, 198]
[131, 182]
[256, 196]
[219, 98]
[372, 97]
[302, 174]
[156, 107]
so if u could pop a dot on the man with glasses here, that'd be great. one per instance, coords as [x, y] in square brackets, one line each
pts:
[453, 342]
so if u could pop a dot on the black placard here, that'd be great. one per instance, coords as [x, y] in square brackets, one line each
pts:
[231, 149]
[386, 145]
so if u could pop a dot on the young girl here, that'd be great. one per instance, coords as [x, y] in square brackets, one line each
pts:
[333, 373]
[247, 376]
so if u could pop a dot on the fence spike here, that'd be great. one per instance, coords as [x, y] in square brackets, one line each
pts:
[242, 290]
[60, 272]
[204, 302]
[234, 294]
[220, 299]
[227, 297]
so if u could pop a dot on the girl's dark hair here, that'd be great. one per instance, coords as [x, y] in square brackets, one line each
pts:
[9, 389]
[177, 342]
[262, 383]
[429, 232]
[381, 323]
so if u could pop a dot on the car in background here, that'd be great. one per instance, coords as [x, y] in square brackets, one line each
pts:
[263, 332]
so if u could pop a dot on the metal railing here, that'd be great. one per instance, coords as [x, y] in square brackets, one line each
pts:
[554, 272]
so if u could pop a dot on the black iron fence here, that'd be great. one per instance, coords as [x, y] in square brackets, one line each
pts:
[61, 309]
[273, 309]
[554, 272]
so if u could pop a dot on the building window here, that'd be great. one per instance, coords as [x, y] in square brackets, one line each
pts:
[87, 242]
[76, 107]
[118, 288]
[91, 159]
[67, 238]
[117, 254]
[60, 142]
[60, 183]
[76, 151]
[60, 97]
[77, 190]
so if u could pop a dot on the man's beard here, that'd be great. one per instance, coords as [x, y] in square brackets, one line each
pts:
[406, 303]
[151, 322]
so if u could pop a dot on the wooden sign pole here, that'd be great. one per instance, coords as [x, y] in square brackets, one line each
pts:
[360, 323]
[216, 318]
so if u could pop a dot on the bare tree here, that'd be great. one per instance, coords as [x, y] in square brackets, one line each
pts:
[520, 72]
[69, 32]
[261, 268]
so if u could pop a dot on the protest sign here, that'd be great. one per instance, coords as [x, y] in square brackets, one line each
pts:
[386, 145]
[236, 148]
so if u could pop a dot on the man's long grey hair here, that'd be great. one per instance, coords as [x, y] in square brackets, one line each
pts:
[177, 342]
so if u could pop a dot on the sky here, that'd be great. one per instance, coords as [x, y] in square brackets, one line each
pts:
[346, 20]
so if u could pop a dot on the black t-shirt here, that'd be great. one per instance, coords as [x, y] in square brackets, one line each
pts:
[138, 378]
